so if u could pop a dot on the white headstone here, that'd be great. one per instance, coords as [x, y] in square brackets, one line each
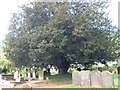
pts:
[16, 75]
[33, 73]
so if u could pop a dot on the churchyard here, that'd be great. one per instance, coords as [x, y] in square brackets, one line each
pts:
[61, 45]
[76, 79]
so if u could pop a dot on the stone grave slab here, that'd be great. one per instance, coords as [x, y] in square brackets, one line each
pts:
[95, 77]
[107, 80]
[76, 78]
[85, 78]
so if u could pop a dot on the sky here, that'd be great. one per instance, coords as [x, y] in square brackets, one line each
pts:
[9, 6]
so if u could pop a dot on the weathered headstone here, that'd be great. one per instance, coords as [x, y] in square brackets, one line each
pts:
[85, 78]
[107, 80]
[41, 75]
[76, 78]
[95, 77]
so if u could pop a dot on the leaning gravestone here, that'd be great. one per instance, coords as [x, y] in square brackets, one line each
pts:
[95, 77]
[76, 78]
[107, 80]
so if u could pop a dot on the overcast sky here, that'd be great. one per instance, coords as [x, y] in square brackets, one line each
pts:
[9, 6]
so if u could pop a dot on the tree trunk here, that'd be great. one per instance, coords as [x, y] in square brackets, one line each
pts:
[64, 65]
[63, 70]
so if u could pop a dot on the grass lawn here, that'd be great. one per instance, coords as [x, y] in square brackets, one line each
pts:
[116, 75]
[72, 86]
[60, 77]
[116, 83]
[116, 80]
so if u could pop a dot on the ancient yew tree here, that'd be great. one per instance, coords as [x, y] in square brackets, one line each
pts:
[60, 33]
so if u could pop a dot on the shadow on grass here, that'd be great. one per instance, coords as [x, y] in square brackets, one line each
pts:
[59, 77]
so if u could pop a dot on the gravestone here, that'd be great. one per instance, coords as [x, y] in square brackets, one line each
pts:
[107, 80]
[41, 75]
[33, 73]
[29, 75]
[95, 77]
[85, 78]
[18, 79]
[76, 78]
[17, 76]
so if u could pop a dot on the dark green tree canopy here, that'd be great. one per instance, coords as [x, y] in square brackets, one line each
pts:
[60, 33]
